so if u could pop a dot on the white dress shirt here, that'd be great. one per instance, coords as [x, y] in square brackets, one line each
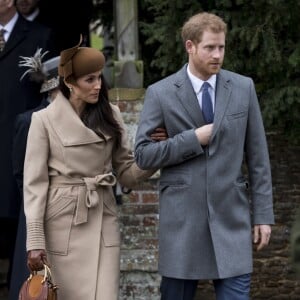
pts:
[9, 26]
[197, 86]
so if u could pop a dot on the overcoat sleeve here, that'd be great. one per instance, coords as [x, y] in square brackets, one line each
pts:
[257, 158]
[36, 182]
[128, 173]
[175, 150]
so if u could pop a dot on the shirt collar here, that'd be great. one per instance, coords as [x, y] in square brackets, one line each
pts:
[197, 82]
[33, 15]
[10, 25]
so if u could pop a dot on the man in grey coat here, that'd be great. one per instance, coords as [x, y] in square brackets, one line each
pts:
[208, 204]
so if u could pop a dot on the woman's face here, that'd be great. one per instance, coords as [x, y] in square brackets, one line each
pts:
[87, 88]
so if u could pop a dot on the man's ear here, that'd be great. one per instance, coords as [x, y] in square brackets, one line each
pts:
[189, 46]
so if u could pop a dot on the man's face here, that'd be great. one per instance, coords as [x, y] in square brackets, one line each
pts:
[26, 7]
[206, 58]
[4, 4]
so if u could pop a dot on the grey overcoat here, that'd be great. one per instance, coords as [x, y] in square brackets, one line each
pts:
[205, 214]
[68, 199]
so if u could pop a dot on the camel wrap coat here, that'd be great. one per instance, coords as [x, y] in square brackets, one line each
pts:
[68, 199]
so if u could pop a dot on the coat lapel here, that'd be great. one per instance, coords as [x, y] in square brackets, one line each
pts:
[223, 91]
[18, 34]
[68, 126]
[187, 97]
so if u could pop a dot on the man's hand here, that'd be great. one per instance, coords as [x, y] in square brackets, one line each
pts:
[261, 236]
[203, 134]
[160, 134]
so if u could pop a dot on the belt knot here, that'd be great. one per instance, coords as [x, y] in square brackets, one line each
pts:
[93, 183]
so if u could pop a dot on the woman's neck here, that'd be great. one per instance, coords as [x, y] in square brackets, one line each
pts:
[78, 105]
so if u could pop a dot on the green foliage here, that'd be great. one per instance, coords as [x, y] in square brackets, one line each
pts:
[160, 24]
[102, 13]
[263, 42]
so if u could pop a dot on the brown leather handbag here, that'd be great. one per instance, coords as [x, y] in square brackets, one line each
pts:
[39, 287]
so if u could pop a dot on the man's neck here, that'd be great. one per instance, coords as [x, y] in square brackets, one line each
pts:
[4, 19]
[32, 15]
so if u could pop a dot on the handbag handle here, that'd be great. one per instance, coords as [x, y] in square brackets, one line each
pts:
[47, 274]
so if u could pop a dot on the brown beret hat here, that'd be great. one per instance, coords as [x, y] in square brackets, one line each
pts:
[79, 61]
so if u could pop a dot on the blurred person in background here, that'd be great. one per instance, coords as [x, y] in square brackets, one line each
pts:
[45, 73]
[29, 9]
[18, 37]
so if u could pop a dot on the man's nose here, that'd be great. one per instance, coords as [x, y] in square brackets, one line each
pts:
[217, 53]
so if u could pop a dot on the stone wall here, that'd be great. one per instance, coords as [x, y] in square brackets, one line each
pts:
[273, 277]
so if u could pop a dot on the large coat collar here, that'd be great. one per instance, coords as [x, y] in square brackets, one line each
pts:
[223, 92]
[67, 125]
[189, 100]
[187, 96]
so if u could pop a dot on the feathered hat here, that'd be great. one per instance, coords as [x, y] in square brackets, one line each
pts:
[45, 73]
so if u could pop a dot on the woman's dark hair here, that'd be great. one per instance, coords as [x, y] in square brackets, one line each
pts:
[99, 116]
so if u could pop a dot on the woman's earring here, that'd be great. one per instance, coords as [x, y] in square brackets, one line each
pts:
[70, 89]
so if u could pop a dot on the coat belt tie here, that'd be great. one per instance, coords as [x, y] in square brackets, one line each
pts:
[88, 196]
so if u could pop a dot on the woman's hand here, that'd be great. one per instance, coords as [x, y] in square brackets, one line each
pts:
[36, 259]
[160, 134]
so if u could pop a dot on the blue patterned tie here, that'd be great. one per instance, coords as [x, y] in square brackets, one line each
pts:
[207, 108]
[2, 40]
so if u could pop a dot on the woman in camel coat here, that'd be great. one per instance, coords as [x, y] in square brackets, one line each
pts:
[73, 146]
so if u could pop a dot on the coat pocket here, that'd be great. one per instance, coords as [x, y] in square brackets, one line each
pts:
[58, 224]
[175, 177]
[110, 229]
[237, 115]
